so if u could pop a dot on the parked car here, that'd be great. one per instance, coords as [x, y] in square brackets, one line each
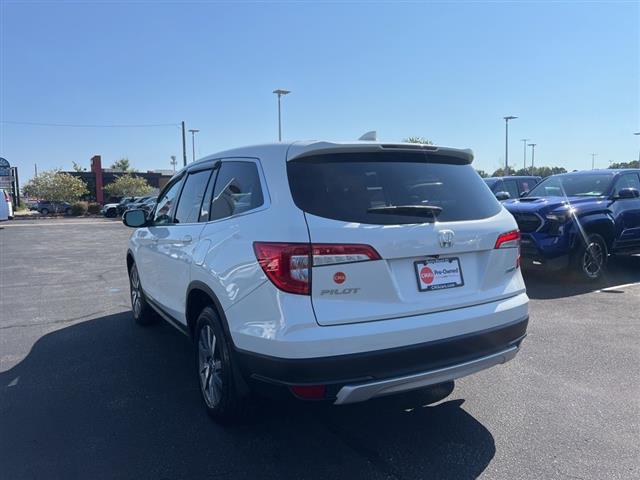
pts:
[4, 207]
[142, 202]
[505, 188]
[45, 207]
[112, 210]
[576, 220]
[319, 270]
[7, 200]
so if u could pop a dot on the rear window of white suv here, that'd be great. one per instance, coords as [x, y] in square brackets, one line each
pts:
[387, 188]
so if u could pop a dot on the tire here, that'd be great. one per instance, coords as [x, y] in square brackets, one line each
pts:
[111, 213]
[590, 259]
[143, 314]
[44, 211]
[220, 383]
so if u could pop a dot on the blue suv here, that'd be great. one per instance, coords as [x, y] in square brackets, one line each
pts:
[576, 220]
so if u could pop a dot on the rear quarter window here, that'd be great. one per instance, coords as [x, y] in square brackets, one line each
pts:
[346, 186]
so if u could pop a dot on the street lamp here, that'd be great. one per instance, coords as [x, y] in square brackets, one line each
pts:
[593, 161]
[173, 163]
[638, 133]
[506, 142]
[193, 143]
[533, 154]
[280, 92]
[524, 146]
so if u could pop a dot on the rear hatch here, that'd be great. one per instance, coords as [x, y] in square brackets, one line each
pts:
[401, 232]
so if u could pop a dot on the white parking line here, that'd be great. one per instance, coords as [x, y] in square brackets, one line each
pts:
[618, 287]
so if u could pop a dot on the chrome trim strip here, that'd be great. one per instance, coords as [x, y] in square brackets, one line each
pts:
[363, 392]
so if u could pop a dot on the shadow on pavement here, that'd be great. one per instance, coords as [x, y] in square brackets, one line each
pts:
[108, 399]
[542, 285]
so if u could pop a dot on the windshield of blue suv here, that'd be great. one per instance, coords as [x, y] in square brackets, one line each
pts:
[573, 186]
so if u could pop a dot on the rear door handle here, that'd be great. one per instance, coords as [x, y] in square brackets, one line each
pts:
[187, 239]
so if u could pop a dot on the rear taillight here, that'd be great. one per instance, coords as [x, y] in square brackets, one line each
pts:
[508, 240]
[331, 254]
[288, 265]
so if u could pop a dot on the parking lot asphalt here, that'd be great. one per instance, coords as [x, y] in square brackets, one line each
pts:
[86, 393]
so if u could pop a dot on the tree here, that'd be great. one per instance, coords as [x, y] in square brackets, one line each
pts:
[78, 168]
[482, 173]
[501, 172]
[122, 165]
[128, 185]
[631, 164]
[420, 140]
[55, 186]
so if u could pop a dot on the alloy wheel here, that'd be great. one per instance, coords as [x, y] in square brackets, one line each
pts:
[209, 367]
[136, 293]
[593, 260]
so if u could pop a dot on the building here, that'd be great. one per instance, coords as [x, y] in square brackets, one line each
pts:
[98, 178]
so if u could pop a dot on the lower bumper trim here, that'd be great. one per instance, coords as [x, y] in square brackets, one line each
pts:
[366, 391]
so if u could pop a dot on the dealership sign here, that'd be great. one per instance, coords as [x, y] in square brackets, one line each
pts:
[5, 168]
[5, 173]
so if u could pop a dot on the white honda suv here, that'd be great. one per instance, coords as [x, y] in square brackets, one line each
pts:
[330, 271]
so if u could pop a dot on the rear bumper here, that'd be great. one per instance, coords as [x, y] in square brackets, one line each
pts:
[360, 376]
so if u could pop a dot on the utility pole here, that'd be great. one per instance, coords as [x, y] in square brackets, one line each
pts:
[593, 161]
[638, 133]
[533, 154]
[35, 166]
[506, 142]
[193, 143]
[184, 147]
[524, 145]
[173, 163]
[280, 92]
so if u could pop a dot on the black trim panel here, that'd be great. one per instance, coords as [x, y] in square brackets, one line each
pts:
[168, 318]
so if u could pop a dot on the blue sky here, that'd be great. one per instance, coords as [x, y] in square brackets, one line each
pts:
[445, 71]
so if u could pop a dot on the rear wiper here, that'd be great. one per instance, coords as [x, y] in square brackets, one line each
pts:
[417, 210]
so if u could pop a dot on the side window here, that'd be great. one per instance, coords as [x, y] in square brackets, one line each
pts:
[206, 204]
[630, 180]
[237, 190]
[188, 210]
[166, 203]
[512, 188]
[525, 185]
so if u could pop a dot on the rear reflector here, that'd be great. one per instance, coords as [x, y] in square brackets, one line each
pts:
[508, 240]
[309, 392]
[288, 265]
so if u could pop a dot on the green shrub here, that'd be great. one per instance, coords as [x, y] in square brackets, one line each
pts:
[93, 208]
[79, 208]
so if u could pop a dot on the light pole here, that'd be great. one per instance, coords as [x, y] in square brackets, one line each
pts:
[173, 163]
[524, 146]
[193, 143]
[593, 161]
[506, 142]
[638, 133]
[280, 92]
[533, 154]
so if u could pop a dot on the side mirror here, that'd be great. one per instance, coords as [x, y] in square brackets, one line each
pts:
[134, 218]
[503, 196]
[628, 193]
[524, 193]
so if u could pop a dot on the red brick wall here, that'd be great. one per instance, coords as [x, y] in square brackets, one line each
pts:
[96, 168]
